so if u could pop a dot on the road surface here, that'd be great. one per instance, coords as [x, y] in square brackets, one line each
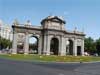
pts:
[11, 67]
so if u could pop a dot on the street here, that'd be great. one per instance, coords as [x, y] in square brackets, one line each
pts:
[11, 67]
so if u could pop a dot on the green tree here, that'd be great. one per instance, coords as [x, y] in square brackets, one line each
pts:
[98, 46]
[90, 45]
[4, 43]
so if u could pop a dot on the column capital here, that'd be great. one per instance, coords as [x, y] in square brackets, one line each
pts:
[14, 32]
[83, 38]
[26, 33]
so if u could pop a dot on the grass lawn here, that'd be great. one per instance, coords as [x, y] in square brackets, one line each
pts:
[50, 58]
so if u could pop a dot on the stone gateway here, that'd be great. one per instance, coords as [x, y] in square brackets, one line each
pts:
[52, 37]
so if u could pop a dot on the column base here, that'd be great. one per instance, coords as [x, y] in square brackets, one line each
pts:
[74, 54]
[47, 54]
[39, 53]
[62, 54]
[82, 55]
[13, 53]
[26, 53]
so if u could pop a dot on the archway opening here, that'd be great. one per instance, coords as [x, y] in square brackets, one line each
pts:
[20, 47]
[54, 46]
[78, 50]
[33, 45]
[70, 47]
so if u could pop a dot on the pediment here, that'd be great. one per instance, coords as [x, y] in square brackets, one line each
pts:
[54, 19]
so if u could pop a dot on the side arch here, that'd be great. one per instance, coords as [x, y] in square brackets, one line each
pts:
[69, 46]
[54, 46]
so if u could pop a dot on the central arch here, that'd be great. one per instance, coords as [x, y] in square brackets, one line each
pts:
[54, 46]
[33, 45]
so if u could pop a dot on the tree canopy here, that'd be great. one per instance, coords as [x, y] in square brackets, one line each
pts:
[89, 45]
[92, 46]
[4, 43]
[98, 46]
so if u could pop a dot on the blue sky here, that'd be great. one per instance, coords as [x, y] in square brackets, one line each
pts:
[83, 14]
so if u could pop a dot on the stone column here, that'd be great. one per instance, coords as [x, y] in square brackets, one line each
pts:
[62, 46]
[82, 46]
[26, 44]
[14, 44]
[44, 45]
[75, 47]
[40, 45]
[48, 46]
[60, 42]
